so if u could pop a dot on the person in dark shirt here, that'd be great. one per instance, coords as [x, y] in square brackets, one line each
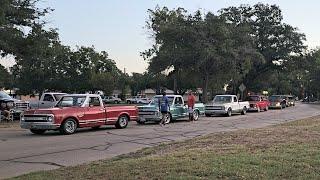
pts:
[164, 107]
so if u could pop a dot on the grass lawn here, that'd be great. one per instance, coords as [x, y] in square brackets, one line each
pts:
[5, 124]
[287, 151]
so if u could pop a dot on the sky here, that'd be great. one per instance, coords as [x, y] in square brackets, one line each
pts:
[118, 26]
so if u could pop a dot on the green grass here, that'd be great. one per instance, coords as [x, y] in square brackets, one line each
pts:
[287, 151]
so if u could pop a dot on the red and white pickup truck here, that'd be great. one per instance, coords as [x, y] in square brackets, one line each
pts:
[77, 111]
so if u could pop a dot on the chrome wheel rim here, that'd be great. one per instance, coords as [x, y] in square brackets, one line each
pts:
[195, 115]
[167, 119]
[123, 121]
[70, 126]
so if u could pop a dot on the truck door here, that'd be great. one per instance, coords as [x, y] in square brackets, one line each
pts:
[235, 104]
[47, 102]
[95, 113]
[179, 105]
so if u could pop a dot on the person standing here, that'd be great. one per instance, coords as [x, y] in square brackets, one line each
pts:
[191, 102]
[164, 107]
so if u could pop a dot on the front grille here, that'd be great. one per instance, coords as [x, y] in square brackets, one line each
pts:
[35, 118]
[21, 105]
[146, 112]
[251, 105]
[214, 108]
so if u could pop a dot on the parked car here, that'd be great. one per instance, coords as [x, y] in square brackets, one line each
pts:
[14, 105]
[277, 101]
[133, 100]
[226, 105]
[111, 100]
[258, 103]
[178, 110]
[77, 111]
[290, 100]
[143, 101]
[47, 100]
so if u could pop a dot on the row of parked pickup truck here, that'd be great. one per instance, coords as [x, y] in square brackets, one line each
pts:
[73, 111]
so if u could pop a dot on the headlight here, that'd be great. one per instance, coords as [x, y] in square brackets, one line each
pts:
[3, 105]
[50, 118]
[278, 104]
[22, 118]
[10, 105]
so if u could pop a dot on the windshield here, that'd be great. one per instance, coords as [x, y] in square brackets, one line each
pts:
[71, 101]
[4, 95]
[155, 100]
[274, 98]
[252, 98]
[222, 99]
[58, 96]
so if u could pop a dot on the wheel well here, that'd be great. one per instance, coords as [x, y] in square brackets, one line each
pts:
[71, 118]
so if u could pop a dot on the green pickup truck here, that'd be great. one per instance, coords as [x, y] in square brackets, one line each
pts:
[178, 110]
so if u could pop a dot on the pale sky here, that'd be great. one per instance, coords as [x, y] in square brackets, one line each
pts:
[118, 26]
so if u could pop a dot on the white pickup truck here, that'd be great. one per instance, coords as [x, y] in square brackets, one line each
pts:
[47, 100]
[226, 105]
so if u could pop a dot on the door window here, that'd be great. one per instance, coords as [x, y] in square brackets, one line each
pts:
[48, 97]
[235, 99]
[94, 101]
[178, 101]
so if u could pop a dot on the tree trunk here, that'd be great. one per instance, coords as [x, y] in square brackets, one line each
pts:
[205, 88]
[175, 82]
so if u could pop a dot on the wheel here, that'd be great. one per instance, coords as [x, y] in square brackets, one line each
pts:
[69, 126]
[244, 111]
[266, 109]
[229, 112]
[38, 131]
[122, 122]
[196, 115]
[168, 118]
[258, 109]
[96, 127]
[128, 102]
[207, 115]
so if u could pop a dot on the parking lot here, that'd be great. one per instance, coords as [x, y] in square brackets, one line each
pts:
[22, 152]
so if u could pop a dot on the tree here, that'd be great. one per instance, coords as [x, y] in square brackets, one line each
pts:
[15, 17]
[5, 80]
[275, 40]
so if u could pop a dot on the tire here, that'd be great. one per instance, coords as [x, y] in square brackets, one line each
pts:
[122, 122]
[38, 131]
[196, 115]
[207, 115]
[266, 108]
[128, 102]
[168, 119]
[244, 111]
[96, 127]
[229, 112]
[69, 126]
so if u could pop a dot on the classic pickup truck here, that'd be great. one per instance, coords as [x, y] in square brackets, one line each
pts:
[47, 100]
[226, 105]
[178, 110]
[14, 106]
[77, 111]
[258, 103]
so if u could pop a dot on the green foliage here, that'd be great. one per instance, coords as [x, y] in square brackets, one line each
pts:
[16, 16]
[4, 77]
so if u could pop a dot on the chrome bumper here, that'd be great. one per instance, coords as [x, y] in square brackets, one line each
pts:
[212, 112]
[39, 125]
[145, 118]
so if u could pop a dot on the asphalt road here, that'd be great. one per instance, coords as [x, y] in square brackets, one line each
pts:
[22, 152]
